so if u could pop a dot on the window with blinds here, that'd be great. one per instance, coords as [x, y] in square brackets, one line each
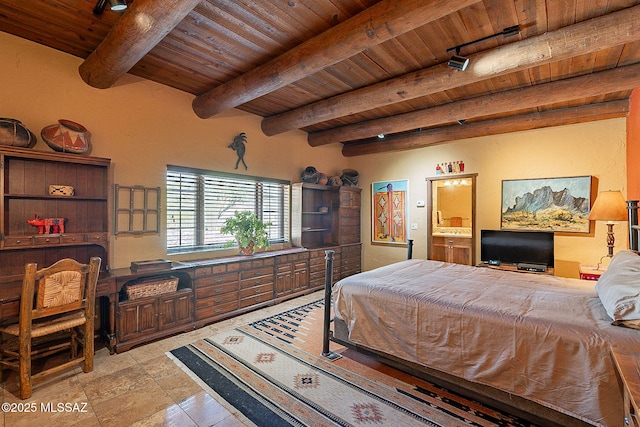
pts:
[199, 202]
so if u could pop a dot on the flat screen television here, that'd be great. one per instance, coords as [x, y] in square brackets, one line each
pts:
[513, 247]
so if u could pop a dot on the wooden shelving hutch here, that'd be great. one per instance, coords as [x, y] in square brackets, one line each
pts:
[327, 217]
[24, 192]
[314, 215]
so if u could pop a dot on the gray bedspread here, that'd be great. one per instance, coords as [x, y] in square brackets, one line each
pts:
[541, 337]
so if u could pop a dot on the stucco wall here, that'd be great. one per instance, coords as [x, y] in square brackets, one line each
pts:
[143, 126]
[596, 148]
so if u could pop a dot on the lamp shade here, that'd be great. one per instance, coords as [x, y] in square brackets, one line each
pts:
[609, 206]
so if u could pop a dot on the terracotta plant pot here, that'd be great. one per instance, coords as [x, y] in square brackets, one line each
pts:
[247, 250]
[14, 133]
[67, 136]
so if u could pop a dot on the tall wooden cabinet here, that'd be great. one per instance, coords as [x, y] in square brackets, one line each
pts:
[327, 217]
[26, 181]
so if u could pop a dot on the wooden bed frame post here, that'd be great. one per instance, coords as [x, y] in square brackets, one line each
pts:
[328, 281]
[632, 207]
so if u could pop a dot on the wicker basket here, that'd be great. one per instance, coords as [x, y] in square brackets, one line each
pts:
[152, 286]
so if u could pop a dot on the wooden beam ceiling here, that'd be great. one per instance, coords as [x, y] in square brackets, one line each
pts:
[394, 106]
[609, 81]
[579, 39]
[139, 29]
[516, 123]
[377, 24]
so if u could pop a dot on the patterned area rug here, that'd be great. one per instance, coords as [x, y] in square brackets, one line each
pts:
[273, 373]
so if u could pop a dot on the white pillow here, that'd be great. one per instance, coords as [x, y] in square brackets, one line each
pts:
[619, 286]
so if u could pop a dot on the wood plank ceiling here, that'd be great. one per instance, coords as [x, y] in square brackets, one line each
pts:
[346, 71]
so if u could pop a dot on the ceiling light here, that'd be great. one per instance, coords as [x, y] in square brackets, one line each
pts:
[381, 136]
[117, 5]
[458, 62]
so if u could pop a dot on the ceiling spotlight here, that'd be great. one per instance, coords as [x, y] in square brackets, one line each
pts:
[458, 62]
[117, 5]
[461, 121]
[381, 136]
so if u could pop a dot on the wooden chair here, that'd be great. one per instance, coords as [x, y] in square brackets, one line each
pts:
[57, 302]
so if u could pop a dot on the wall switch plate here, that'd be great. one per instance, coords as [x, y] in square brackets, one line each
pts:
[414, 226]
[420, 203]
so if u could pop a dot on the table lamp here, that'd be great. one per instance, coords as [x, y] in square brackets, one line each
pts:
[609, 206]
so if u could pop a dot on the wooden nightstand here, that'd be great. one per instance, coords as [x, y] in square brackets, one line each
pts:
[590, 272]
[627, 366]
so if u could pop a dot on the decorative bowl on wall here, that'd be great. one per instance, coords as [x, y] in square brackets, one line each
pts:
[67, 136]
[14, 133]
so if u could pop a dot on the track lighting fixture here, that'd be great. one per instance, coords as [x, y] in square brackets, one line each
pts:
[115, 5]
[460, 62]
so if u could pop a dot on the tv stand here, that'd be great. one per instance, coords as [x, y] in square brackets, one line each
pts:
[513, 267]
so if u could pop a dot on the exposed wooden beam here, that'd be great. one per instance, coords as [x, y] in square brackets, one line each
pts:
[579, 39]
[564, 116]
[596, 84]
[143, 25]
[381, 22]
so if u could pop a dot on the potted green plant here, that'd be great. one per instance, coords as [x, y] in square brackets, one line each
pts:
[249, 231]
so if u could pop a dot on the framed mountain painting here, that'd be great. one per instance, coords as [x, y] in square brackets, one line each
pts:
[547, 204]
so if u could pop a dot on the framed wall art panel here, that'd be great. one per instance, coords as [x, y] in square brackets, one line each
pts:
[389, 210]
[547, 204]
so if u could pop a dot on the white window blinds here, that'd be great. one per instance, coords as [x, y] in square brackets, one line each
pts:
[199, 202]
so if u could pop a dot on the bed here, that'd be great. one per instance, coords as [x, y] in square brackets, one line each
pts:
[535, 344]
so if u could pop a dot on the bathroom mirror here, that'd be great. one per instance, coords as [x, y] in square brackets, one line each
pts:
[451, 218]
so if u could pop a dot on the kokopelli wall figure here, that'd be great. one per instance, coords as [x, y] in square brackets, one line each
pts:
[48, 225]
[238, 145]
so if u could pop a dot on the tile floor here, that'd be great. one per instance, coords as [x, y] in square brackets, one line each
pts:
[140, 387]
